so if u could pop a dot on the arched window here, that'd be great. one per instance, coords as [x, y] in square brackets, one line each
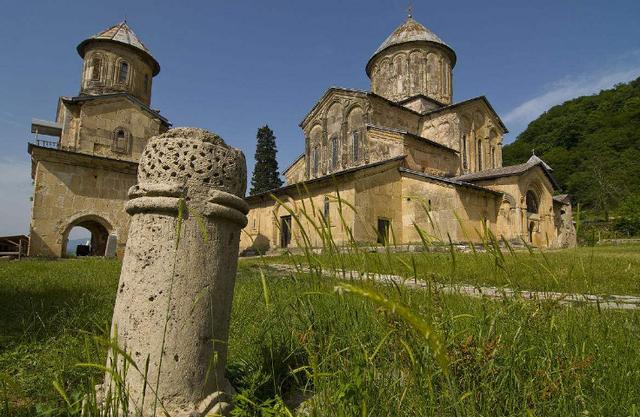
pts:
[120, 141]
[532, 202]
[334, 153]
[493, 157]
[479, 151]
[96, 68]
[123, 72]
[355, 145]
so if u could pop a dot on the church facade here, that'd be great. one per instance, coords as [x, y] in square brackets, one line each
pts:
[403, 162]
[81, 176]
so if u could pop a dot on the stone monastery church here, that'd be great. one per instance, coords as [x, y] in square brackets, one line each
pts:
[403, 158]
[406, 160]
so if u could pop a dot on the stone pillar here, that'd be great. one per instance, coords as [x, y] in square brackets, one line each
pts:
[112, 245]
[178, 274]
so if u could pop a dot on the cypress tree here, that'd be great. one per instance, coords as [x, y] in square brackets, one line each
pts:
[265, 173]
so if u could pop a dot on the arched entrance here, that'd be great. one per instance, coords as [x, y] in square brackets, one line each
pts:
[98, 229]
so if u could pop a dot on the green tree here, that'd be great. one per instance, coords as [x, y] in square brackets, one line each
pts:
[628, 221]
[265, 173]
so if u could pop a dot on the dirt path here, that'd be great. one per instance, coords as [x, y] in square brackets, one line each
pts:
[622, 302]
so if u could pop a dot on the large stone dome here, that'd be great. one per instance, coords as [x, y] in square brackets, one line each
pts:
[411, 31]
[413, 61]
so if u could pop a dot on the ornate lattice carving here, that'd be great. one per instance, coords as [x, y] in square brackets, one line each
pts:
[193, 156]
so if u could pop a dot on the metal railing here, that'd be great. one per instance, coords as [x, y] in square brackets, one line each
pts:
[51, 144]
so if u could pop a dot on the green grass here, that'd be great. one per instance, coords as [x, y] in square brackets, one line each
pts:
[349, 352]
[46, 309]
[594, 270]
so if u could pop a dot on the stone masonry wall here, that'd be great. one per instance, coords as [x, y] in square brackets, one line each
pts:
[91, 128]
[66, 195]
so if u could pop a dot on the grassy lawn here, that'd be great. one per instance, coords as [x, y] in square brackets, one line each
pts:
[302, 337]
[594, 270]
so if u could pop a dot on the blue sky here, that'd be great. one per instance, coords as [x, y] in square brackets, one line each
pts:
[232, 66]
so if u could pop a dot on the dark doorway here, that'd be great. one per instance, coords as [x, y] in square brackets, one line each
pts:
[532, 226]
[285, 231]
[383, 231]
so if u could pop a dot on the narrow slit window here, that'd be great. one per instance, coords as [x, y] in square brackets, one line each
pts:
[479, 155]
[465, 163]
[326, 209]
[355, 145]
[96, 68]
[123, 72]
[315, 161]
[120, 141]
[334, 153]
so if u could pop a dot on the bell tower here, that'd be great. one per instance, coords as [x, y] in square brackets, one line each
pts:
[116, 61]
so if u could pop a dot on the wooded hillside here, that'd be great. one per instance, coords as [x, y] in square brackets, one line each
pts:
[593, 145]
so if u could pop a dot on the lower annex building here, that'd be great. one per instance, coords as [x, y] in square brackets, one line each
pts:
[405, 160]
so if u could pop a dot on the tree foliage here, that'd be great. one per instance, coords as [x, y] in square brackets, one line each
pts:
[265, 173]
[593, 145]
[628, 220]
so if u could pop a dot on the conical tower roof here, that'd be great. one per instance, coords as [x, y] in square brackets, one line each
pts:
[120, 33]
[411, 31]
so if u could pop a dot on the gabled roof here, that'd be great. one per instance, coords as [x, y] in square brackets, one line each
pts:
[450, 181]
[509, 171]
[79, 99]
[412, 135]
[331, 90]
[535, 160]
[460, 103]
[324, 178]
[562, 199]
[293, 163]
[120, 33]
[411, 31]
[422, 96]
[326, 94]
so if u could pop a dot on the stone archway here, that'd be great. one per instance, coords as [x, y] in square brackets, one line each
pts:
[99, 228]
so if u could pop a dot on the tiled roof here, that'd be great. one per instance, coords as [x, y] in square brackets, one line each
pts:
[451, 181]
[509, 171]
[495, 173]
[411, 31]
[562, 198]
[123, 34]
